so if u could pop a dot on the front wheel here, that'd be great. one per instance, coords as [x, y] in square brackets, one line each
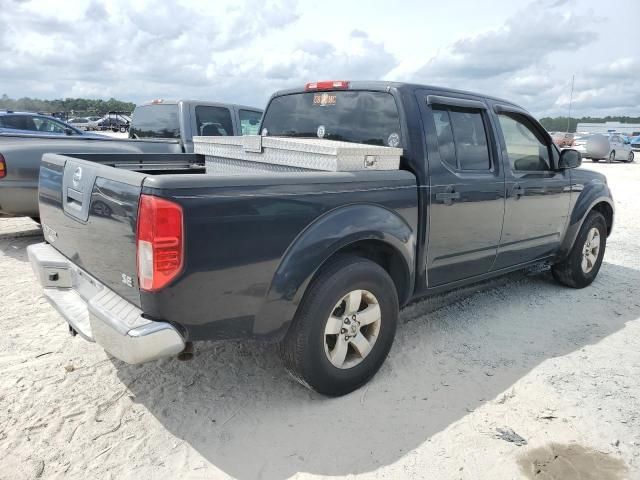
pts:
[582, 265]
[630, 157]
[344, 327]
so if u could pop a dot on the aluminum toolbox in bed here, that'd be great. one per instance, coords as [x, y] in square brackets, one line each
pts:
[255, 153]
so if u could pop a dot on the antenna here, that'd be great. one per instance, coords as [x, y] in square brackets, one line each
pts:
[573, 77]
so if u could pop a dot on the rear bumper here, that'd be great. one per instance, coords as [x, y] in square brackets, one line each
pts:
[99, 314]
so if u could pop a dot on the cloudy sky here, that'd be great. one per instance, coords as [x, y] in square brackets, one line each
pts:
[242, 51]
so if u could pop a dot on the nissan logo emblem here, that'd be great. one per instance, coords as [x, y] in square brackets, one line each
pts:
[77, 176]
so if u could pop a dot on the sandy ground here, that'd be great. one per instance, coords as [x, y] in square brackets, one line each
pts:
[559, 367]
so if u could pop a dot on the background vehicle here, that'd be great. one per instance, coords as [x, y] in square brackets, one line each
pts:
[161, 129]
[93, 122]
[33, 123]
[80, 123]
[620, 149]
[320, 261]
[593, 146]
[635, 143]
[113, 123]
[562, 139]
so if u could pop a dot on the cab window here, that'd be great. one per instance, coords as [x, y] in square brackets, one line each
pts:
[48, 126]
[249, 122]
[526, 148]
[213, 121]
[462, 138]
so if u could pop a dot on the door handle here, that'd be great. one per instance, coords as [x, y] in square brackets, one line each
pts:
[518, 191]
[447, 197]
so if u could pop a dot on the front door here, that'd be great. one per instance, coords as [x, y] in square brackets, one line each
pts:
[538, 195]
[466, 202]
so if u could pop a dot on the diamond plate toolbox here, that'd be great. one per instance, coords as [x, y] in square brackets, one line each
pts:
[236, 155]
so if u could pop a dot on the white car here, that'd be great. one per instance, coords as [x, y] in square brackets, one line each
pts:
[79, 122]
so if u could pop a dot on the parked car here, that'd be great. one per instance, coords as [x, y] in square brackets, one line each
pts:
[593, 146]
[635, 143]
[562, 139]
[80, 123]
[319, 261]
[93, 122]
[620, 149]
[34, 123]
[114, 124]
[20, 154]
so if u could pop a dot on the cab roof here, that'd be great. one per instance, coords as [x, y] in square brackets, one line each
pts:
[382, 86]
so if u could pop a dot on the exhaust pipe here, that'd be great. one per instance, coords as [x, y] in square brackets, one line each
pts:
[187, 353]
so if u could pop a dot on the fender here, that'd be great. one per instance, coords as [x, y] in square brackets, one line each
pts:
[329, 233]
[591, 193]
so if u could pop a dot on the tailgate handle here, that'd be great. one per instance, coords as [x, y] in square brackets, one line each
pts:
[74, 199]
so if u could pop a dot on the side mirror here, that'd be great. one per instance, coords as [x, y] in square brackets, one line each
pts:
[68, 131]
[569, 158]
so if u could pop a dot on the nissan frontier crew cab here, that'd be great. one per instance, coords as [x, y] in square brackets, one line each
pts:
[320, 261]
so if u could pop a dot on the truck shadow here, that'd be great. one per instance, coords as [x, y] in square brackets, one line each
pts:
[236, 406]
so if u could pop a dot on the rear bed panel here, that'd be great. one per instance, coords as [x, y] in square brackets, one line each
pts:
[237, 230]
[92, 221]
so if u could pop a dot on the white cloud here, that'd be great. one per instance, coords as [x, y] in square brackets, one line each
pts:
[231, 50]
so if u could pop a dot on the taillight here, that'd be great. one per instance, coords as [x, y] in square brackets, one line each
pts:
[3, 167]
[327, 85]
[160, 242]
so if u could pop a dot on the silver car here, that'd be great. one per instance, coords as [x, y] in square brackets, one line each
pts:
[620, 149]
[80, 123]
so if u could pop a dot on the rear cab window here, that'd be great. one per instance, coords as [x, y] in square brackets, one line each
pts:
[18, 122]
[462, 138]
[155, 121]
[356, 116]
[213, 121]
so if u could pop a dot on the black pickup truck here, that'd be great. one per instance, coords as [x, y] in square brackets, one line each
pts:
[319, 261]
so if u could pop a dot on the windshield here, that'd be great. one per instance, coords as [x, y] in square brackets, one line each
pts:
[350, 116]
[155, 121]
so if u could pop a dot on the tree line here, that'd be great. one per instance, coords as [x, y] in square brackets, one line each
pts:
[77, 106]
[559, 124]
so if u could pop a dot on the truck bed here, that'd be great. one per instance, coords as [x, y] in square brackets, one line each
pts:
[237, 229]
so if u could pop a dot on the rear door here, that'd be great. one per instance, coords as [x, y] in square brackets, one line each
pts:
[537, 195]
[466, 204]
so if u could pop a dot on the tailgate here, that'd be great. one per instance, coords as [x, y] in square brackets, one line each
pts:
[89, 214]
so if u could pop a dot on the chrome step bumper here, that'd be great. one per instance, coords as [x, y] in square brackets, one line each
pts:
[99, 314]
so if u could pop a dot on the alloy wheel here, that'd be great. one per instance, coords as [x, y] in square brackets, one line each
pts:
[352, 329]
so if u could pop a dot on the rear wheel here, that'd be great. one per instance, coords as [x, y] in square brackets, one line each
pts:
[612, 156]
[344, 327]
[596, 160]
[582, 265]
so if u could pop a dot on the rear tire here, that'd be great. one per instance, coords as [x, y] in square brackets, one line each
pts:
[595, 160]
[337, 363]
[582, 265]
